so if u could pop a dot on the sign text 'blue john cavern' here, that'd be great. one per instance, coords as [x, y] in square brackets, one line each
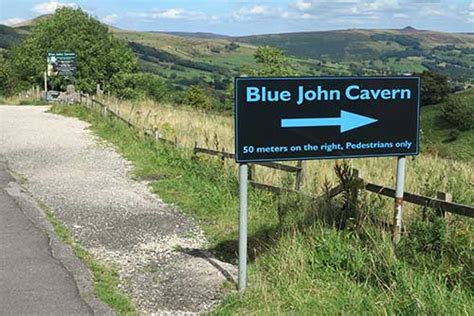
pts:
[334, 117]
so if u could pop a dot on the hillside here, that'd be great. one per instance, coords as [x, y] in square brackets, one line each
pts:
[440, 137]
[386, 51]
[192, 58]
[9, 36]
[346, 52]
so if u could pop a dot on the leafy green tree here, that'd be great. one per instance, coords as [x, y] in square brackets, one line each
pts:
[434, 88]
[459, 113]
[197, 97]
[100, 56]
[5, 74]
[139, 86]
[273, 63]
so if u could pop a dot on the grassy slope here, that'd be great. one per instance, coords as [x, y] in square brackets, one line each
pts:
[9, 36]
[338, 49]
[306, 265]
[436, 133]
[348, 43]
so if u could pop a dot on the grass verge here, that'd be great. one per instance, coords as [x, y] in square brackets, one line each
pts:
[307, 257]
[106, 278]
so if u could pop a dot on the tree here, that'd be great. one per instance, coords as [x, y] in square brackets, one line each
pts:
[273, 63]
[5, 76]
[197, 97]
[434, 88]
[459, 113]
[139, 86]
[100, 56]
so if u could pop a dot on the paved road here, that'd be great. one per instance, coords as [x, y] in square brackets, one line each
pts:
[32, 281]
[160, 253]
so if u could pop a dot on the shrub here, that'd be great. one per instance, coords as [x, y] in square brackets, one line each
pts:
[197, 97]
[434, 87]
[459, 113]
[139, 86]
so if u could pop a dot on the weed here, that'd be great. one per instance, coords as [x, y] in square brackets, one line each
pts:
[302, 260]
[106, 278]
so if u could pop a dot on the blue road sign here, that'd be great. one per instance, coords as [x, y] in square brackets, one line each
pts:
[326, 117]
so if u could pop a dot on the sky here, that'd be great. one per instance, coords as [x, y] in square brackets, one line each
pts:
[246, 17]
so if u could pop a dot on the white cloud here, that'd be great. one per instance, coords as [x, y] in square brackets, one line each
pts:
[175, 14]
[401, 16]
[51, 6]
[12, 21]
[110, 19]
[303, 5]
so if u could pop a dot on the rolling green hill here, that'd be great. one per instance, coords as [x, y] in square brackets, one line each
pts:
[190, 58]
[440, 137]
[383, 51]
[9, 36]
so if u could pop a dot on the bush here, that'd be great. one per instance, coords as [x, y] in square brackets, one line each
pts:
[100, 56]
[197, 97]
[139, 86]
[459, 113]
[434, 88]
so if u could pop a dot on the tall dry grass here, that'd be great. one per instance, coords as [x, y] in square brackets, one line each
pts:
[426, 173]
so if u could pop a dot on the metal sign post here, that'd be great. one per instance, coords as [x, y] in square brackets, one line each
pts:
[322, 118]
[243, 184]
[302, 118]
[398, 210]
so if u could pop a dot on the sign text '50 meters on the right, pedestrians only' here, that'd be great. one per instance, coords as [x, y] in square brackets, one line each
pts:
[316, 118]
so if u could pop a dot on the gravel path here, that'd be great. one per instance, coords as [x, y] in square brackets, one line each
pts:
[159, 252]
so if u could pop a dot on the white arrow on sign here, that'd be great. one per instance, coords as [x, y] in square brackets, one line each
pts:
[347, 121]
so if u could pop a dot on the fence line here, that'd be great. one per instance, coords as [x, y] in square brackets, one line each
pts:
[443, 203]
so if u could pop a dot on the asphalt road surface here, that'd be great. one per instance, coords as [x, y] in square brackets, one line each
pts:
[159, 252]
[32, 280]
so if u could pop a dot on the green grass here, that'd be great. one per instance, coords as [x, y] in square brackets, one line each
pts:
[106, 278]
[437, 134]
[301, 260]
[32, 102]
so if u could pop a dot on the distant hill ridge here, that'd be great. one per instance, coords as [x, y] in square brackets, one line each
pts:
[187, 58]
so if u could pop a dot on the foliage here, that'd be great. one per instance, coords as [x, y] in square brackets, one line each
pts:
[434, 88]
[232, 46]
[310, 265]
[5, 76]
[8, 36]
[273, 63]
[153, 54]
[100, 56]
[197, 97]
[440, 244]
[138, 86]
[459, 113]
[442, 126]
[106, 277]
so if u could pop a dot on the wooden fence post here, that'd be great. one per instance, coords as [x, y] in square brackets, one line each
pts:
[355, 194]
[300, 175]
[443, 197]
[251, 172]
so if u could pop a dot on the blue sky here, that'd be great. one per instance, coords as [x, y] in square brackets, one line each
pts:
[242, 17]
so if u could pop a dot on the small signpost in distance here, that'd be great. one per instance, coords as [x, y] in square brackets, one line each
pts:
[302, 118]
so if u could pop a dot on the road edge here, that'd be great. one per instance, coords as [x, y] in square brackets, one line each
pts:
[60, 251]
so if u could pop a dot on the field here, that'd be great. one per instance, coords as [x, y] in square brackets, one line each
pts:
[438, 134]
[185, 59]
[307, 255]
[426, 174]
[301, 259]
